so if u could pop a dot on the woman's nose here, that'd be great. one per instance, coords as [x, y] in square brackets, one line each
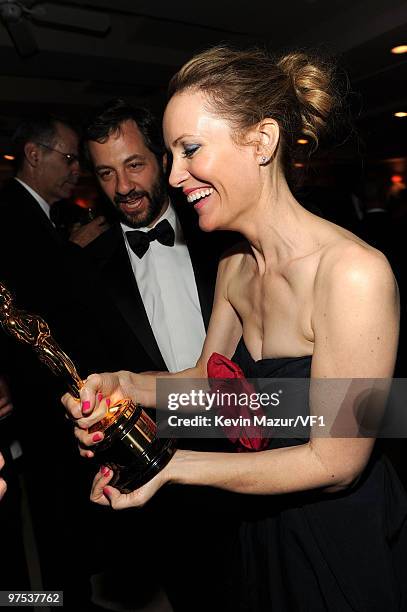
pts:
[178, 174]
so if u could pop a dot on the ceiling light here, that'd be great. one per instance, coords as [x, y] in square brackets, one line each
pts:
[298, 165]
[400, 114]
[399, 49]
[302, 141]
[9, 157]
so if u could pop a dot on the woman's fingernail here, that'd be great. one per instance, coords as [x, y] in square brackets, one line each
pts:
[97, 437]
[99, 397]
[108, 402]
[105, 470]
[106, 491]
[86, 406]
[102, 469]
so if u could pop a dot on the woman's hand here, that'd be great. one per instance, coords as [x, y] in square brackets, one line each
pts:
[3, 484]
[98, 393]
[109, 496]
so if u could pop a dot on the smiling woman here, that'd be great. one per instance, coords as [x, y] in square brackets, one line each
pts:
[324, 519]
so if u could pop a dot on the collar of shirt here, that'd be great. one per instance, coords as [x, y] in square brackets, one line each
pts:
[376, 209]
[171, 217]
[44, 205]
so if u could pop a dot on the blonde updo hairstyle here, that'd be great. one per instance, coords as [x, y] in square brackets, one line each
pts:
[298, 90]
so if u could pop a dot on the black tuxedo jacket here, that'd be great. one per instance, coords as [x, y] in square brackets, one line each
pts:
[47, 276]
[134, 345]
[46, 273]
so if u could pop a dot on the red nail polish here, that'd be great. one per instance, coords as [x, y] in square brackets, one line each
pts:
[107, 473]
[97, 437]
[99, 397]
[106, 491]
[108, 402]
[86, 406]
[102, 469]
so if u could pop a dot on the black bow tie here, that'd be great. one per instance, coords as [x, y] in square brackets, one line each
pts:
[140, 241]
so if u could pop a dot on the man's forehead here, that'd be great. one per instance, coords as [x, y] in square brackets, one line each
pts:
[127, 129]
[65, 134]
[125, 141]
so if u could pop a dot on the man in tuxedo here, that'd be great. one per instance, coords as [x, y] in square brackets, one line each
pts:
[44, 272]
[154, 268]
[38, 264]
[154, 277]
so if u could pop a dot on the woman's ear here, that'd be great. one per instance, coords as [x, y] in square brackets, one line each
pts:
[266, 138]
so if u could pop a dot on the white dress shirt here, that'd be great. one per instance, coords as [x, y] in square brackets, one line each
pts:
[166, 281]
[44, 205]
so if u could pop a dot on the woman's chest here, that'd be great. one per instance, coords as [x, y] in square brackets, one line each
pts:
[275, 308]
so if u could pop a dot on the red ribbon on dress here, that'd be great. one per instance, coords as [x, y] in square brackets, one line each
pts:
[246, 438]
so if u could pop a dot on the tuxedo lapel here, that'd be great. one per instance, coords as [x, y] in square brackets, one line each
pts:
[118, 279]
[204, 262]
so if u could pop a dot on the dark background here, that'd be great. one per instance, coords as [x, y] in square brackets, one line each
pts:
[74, 69]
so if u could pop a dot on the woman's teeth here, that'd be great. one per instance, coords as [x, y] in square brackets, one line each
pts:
[199, 194]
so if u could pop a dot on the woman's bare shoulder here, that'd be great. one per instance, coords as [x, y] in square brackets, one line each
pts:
[347, 259]
[233, 258]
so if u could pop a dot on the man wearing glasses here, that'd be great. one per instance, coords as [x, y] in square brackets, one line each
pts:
[43, 271]
[48, 166]
[48, 169]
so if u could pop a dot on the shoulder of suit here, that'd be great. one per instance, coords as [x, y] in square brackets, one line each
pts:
[12, 190]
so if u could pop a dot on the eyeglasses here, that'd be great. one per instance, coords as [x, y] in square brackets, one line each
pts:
[70, 158]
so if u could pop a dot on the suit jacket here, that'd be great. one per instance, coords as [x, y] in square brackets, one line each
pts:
[134, 345]
[45, 274]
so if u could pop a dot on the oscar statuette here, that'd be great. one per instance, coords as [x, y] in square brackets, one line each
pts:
[130, 446]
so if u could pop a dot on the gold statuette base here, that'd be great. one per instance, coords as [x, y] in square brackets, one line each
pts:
[130, 447]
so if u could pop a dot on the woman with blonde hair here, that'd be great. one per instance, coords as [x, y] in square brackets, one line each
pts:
[328, 527]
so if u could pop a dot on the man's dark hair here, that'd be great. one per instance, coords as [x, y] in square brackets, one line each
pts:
[39, 129]
[107, 120]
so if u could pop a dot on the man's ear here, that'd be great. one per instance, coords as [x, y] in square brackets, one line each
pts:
[32, 153]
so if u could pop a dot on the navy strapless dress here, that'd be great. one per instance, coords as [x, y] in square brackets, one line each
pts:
[323, 552]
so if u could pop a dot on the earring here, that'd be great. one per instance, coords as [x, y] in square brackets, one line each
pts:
[264, 160]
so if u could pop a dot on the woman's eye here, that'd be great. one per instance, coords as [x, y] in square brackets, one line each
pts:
[189, 150]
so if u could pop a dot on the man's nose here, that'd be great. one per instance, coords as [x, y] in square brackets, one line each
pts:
[75, 167]
[123, 185]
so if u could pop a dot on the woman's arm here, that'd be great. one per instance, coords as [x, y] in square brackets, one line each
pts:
[355, 323]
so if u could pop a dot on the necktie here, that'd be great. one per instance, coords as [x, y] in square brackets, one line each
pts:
[140, 241]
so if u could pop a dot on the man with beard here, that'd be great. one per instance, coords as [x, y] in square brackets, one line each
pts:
[154, 268]
[154, 277]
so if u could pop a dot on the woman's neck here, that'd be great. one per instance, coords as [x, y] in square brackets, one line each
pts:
[278, 229]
